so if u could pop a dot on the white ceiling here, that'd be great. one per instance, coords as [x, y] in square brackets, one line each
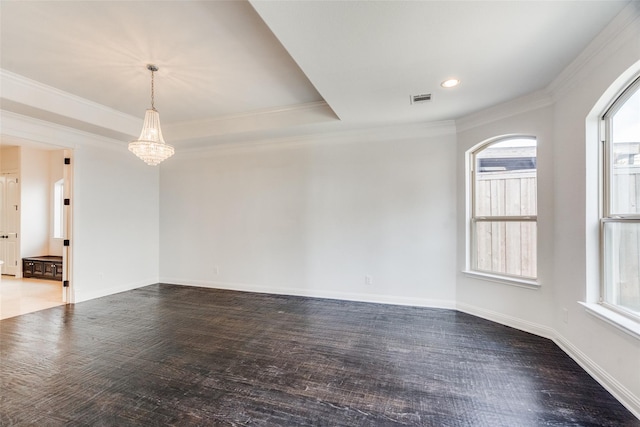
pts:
[230, 68]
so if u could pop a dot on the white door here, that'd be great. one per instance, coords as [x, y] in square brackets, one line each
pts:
[9, 220]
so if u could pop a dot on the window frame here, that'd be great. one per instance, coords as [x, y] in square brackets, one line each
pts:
[606, 214]
[471, 268]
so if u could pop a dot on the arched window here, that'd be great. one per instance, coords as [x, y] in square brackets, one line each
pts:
[620, 219]
[503, 208]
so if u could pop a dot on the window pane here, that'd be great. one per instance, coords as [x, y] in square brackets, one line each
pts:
[506, 247]
[505, 179]
[625, 158]
[58, 194]
[622, 265]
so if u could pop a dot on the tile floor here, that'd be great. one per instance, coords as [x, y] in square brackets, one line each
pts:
[21, 296]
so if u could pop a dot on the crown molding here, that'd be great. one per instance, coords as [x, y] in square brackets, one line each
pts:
[25, 128]
[523, 104]
[326, 134]
[267, 111]
[622, 28]
[21, 90]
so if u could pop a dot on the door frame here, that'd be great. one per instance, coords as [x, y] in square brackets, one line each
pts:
[68, 296]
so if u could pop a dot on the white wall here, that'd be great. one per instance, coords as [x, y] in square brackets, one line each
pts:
[35, 199]
[568, 213]
[115, 208]
[115, 221]
[316, 218]
[9, 159]
[604, 348]
[526, 308]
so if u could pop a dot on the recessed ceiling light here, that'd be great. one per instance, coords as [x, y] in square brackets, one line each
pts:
[450, 83]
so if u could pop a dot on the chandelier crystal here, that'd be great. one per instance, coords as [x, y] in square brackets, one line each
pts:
[150, 146]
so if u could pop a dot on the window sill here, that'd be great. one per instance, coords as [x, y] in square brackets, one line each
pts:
[621, 322]
[505, 280]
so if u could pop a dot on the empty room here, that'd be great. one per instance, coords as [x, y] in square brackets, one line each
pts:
[320, 213]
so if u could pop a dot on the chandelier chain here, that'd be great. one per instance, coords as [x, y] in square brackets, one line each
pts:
[153, 106]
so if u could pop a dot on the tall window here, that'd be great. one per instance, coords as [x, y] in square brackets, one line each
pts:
[503, 205]
[58, 195]
[620, 221]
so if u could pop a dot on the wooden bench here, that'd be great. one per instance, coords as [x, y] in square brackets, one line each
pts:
[42, 267]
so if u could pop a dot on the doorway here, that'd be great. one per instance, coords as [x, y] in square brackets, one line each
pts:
[35, 215]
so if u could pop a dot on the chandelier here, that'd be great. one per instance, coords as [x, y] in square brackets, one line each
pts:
[150, 146]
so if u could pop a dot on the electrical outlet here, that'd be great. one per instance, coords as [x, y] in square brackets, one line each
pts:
[216, 270]
[368, 280]
[565, 315]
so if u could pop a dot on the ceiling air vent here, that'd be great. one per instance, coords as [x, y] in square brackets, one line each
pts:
[420, 98]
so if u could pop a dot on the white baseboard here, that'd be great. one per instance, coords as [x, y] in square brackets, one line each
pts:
[80, 295]
[613, 386]
[503, 319]
[316, 293]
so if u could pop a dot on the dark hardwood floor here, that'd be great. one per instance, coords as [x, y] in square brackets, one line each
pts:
[174, 355]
